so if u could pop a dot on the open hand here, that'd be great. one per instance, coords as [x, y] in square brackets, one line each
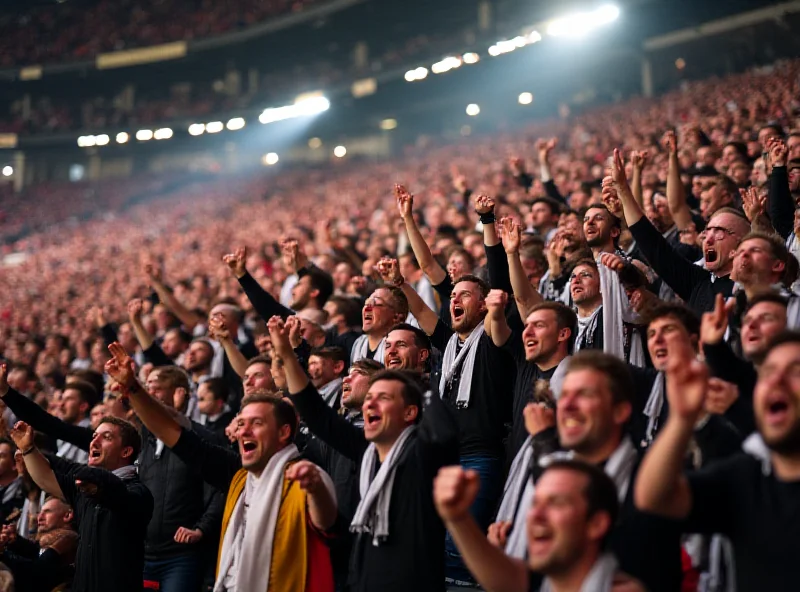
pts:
[405, 201]
[121, 367]
[510, 234]
[715, 323]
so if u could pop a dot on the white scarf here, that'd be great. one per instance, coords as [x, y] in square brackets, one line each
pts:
[372, 514]
[71, 452]
[126, 472]
[616, 311]
[518, 472]
[330, 392]
[452, 362]
[360, 350]
[652, 408]
[247, 542]
[587, 325]
[619, 467]
[599, 579]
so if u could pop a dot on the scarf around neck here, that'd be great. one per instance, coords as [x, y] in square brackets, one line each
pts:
[360, 350]
[463, 360]
[372, 513]
[599, 579]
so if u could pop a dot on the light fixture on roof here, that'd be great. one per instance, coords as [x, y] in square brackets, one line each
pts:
[144, 135]
[122, 137]
[473, 109]
[339, 151]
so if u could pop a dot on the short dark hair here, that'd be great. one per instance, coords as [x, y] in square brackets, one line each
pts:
[320, 281]
[91, 376]
[783, 338]
[337, 354]
[398, 300]
[262, 359]
[86, 391]
[482, 285]
[600, 492]
[685, 316]
[565, 318]
[368, 366]
[174, 376]
[615, 222]
[285, 413]
[412, 259]
[217, 387]
[777, 245]
[10, 444]
[770, 296]
[129, 434]
[349, 308]
[412, 393]
[421, 339]
[620, 381]
[555, 207]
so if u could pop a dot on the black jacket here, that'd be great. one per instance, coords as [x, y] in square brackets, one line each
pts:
[179, 493]
[111, 524]
[413, 556]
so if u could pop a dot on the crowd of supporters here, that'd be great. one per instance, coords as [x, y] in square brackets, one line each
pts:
[557, 359]
[80, 30]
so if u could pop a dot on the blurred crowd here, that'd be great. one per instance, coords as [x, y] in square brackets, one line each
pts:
[75, 30]
[556, 288]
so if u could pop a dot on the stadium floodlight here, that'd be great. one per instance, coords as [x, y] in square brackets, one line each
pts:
[525, 98]
[339, 151]
[144, 135]
[164, 133]
[236, 123]
[416, 74]
[8, 171]
[102, 140]
[388, 124]
[302, 108]
[122, 137]
[86, 141]
[214, 127]
[471, 58]
[445, 65]
[197, 129]
[581, 23]
[270, 158]
[473, 109]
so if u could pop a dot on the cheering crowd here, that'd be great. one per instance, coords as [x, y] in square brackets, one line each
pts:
[560, 360]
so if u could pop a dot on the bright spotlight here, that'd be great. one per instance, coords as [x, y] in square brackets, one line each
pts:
[163, 134]
[102, 139]
[86, 141]
[122, 137]
[411, 76]
[197, 129]
[339, 151]
[445, 65]
[314, 143]
[8, 171]
[236, 123]
[144, 135]
[422, 73]
[214, 127]
[388, 124]
[525, 98]
[303, 107]
[270, 158]
[578, 24]
[471, 58]
[473, 109]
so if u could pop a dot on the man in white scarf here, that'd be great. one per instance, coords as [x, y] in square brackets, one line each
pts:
[325, 368]
[276, 505]
[568, 526]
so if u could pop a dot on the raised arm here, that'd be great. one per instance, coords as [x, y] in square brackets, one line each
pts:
[264, 304]
[781, 204]
[320, 418]
[495, 322]
[38, 468]
[676, 193]
[638, 160]
[135, 317]
[525, 295]
[661, 485]
[427, 262]
[389, 271]
[454, 491]
[190, 319]
[544, 148]
[218, 330]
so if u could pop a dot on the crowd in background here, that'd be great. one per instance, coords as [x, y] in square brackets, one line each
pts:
[651, 230]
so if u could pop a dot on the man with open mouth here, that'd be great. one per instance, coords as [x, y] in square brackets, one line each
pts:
[399, 537]
[698, 287]
[278, 507]
[755, 502]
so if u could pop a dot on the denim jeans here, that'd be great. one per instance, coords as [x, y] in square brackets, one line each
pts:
[490, 471]
[181, 573]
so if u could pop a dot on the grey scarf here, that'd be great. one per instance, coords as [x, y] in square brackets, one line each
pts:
[330, 392]
[653, 407]
[372, 514]
[599, 579]
[360, 350]
[465, 361]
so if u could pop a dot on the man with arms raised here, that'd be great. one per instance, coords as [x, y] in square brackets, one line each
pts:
[399, 537]
[277, 507]
[754, 502]
[112, 507]
[569, 526]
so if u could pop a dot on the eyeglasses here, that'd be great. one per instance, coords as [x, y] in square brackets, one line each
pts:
[718, 232]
